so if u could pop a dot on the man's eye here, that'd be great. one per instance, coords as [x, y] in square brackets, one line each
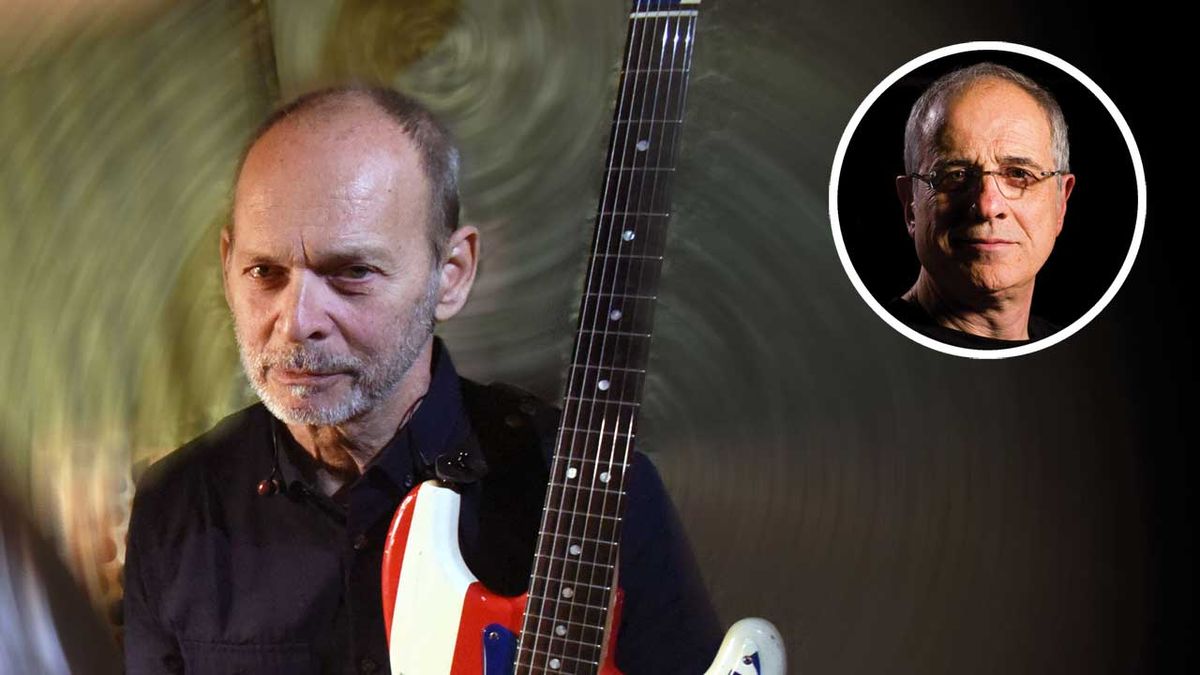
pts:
[952, 178]
[1017, 174]
[355, 272]
[261, 272]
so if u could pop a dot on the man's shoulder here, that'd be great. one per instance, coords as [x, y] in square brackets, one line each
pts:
[227, 454]
[522, 420]
[500, 401]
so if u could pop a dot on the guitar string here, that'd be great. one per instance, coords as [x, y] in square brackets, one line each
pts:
[556, 465]
[686, 25]
[664, 29]
[649, 128]
[647, 111]
[614, 259]
[608, 278]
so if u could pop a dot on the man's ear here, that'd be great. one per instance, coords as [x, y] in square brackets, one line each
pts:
[226, 252]
[226, 249]
[905, 192]
[457, 271]
[1068, 184]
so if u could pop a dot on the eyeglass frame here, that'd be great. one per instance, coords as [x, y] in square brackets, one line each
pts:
[980, 173]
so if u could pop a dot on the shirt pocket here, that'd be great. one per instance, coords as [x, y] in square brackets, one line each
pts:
[205, 658]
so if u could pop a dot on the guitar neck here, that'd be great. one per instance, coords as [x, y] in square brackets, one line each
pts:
[575, 565]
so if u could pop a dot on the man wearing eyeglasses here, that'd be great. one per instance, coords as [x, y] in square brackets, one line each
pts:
[984, 197]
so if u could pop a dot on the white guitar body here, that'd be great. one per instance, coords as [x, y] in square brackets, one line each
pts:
[441, 620]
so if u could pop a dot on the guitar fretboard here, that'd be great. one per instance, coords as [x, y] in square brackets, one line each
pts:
[575, 565]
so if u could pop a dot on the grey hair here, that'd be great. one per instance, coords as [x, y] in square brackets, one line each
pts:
[435, 146]
[929, 112]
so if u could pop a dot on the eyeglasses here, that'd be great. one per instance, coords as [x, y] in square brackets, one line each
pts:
[1012, 181]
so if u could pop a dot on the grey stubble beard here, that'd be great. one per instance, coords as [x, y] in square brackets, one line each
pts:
[373, 381]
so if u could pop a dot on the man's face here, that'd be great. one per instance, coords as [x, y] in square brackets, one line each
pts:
[329, 274]
[984, 240]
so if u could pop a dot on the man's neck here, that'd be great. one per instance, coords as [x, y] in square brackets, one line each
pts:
[344, 450]
[1003, 315]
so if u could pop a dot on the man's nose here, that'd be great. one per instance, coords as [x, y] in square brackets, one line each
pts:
[990, 202]
[304, 314]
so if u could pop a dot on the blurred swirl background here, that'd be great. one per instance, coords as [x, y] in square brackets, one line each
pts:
[892, 509]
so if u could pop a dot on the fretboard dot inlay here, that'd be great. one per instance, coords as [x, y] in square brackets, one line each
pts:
[560, 630]
[627, 235]
[615, 315]
[555, 663]
[575, 549]
[572, 472]
[568, 592]
[603, 385]
[604, 476]
[643, 145]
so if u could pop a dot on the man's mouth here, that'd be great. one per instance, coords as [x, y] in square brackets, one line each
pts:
[984, 243]
[305, 378]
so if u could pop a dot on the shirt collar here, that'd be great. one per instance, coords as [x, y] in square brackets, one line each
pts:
[438, 426]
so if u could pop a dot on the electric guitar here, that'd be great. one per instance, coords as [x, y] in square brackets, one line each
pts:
[440, 619]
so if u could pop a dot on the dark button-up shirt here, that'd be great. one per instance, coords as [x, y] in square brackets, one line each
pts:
[221, 579]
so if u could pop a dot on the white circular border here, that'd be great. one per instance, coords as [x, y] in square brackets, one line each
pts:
[1139, 225]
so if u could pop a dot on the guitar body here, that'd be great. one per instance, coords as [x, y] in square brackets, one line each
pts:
[439, 617]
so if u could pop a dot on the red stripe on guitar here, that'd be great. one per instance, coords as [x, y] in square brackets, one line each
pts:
[482, 607]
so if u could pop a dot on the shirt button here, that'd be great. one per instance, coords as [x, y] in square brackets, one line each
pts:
[367, 665]
[360, 542]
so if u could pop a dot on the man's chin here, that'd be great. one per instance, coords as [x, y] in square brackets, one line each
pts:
[310, 411]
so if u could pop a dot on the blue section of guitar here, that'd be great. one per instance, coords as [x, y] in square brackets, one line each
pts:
[499, 650]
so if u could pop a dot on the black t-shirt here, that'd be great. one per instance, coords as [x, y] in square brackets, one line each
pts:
[915, 317]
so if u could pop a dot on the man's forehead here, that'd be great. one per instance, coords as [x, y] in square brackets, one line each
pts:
[348, 170]
[997, 115]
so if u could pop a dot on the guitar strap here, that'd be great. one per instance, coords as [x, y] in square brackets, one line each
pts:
[512, 439]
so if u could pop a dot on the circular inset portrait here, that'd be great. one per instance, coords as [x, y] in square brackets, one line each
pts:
[987, 200]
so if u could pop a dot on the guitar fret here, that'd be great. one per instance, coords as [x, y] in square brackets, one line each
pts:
[581, 399]
[571, 584]
[621, 296]
[561, 602]
[595, 461]
[657, 70]
[663, 13]
[561, 656]
[591, 489]
[576, 538]
[616, 333]
[606, 369]
[635, 213]
[566, 621]
[652, 169]
[574, 561]
[562, 638]
[625, 256]
[583, 517]
[597, 432]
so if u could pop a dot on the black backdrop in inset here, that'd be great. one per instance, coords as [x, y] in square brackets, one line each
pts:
[1101, 212]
